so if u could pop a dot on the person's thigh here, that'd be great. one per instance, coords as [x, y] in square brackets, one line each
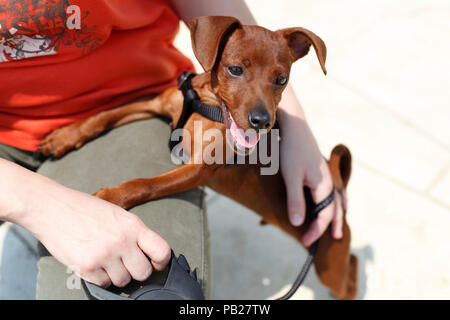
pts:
[135, 150]
[28, 159]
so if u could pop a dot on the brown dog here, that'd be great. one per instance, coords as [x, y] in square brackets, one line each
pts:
[246, 71]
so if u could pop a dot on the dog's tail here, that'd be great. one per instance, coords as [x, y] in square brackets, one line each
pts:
[340, 165]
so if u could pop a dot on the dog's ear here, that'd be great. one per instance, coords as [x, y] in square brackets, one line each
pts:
[299, 40]
[207, 35]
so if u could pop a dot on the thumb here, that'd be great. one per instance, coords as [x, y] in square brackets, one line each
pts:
[296, 204]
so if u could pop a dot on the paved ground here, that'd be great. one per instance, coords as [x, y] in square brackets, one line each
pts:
[386, 97]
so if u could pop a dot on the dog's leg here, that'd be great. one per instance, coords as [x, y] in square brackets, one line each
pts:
[266, 195]
[138, 191]
[67, 138]
[334, 264]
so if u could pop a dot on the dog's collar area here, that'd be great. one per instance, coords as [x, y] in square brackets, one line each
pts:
[192, 103]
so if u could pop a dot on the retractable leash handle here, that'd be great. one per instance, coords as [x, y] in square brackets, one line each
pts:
[180, 284]
[309, 260]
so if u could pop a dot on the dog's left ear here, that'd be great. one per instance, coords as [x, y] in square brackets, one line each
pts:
[299, 40]
[207, 35]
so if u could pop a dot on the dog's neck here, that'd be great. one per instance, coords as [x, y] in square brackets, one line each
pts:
[202, 85]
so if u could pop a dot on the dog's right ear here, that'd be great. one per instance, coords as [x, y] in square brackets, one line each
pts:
[207, 35]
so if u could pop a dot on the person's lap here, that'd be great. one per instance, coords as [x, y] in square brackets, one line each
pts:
[135, 150]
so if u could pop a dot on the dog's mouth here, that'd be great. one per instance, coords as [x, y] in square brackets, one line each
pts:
[243, 142]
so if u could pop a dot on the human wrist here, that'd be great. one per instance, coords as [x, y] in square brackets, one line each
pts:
[290, 105]
[21, 194]
[292, 118]
[11, 205]
[290, 114]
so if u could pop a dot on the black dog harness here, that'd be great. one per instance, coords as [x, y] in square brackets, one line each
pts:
[192, 103]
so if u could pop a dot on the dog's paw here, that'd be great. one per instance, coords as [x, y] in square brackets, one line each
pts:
[350, 286]
[111, 195]
[61, 141]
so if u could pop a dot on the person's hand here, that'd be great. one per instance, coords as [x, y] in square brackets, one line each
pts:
[101, 241]
[303, 165]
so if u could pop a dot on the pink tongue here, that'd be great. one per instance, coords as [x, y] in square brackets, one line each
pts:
[247, 140]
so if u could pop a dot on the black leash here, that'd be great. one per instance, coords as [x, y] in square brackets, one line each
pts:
[193, 104]
[312, 252]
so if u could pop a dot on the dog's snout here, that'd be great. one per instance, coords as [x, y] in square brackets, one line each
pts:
[259, 118]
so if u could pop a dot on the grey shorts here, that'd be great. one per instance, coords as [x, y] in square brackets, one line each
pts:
[135, 150]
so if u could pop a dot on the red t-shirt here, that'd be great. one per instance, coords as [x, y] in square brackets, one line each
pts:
[64, 60]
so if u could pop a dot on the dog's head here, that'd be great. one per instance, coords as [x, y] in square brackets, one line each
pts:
[250, 68]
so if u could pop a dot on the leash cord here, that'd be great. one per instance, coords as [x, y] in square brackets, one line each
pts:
[309, 260]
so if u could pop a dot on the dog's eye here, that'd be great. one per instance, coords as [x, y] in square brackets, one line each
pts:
[281, 80]
[235, 70]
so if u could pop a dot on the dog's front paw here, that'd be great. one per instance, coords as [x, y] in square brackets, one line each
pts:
[111, 195]
[61, 141]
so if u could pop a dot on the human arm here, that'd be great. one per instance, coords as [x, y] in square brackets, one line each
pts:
[101, 241]
[302, 164]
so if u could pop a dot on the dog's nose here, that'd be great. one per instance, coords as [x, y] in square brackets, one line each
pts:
[259, 118]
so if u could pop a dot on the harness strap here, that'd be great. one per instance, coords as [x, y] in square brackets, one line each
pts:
[192, 103]
[212, 113]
